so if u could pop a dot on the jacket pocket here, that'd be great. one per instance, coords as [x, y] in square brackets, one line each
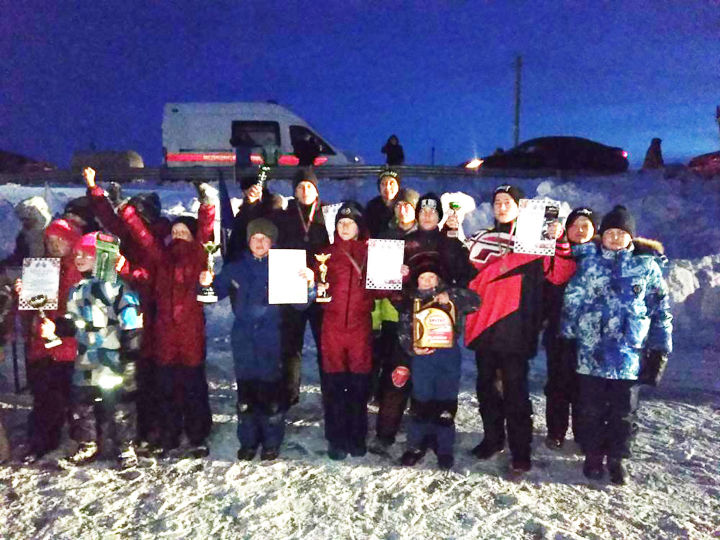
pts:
[636, 331]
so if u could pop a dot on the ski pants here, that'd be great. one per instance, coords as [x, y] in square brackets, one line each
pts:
[345, 398]
[148, 403]
[261, 418]
[293, 338]
[394, 394]
[184, 404]
[98, 414]
[561, 389]
[51, 384]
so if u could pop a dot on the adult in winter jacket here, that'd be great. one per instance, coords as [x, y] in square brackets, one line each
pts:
[34, 215]
[105, 319]
[653, 156]
[50, 369]
[617, 308]
[6, 301]
[256, 344]
[561, 387]
[180, 321]
[393, 151]
[435, 372]
[346, 336]
[379, 212]
[138, 273]
[300, 226]
[504, 331]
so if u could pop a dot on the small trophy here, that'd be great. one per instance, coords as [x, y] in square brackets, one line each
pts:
[207, 294]
[433, 325]
[38, 302]
[323, 296]
[107, 253]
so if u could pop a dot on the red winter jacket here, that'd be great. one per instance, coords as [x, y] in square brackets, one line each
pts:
[179, 325]
[510, 286]
[67, 350]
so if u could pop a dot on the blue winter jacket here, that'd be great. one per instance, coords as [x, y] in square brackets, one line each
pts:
[616, 306]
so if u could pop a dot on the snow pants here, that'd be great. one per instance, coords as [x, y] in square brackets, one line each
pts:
[147, 401]
[4, 444]
[607, 412]
[51, 384]
[395, 387]
[383, 347]
[293, 340]
[436, 384]
[98, 414]
[261, 418]
[345, 398]
[561, 389]
[502, 393]
[184, 404]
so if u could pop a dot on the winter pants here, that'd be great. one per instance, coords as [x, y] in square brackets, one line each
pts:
[345, 406]
[51, 383]
[97, 413]
[436, 384]
[383, 346]
[148, 404]
[394, 394]
[4, 444]
[261, 418]
[184, 404]
[293, 339]
[607, 411]
[561, 389]
[502, 393]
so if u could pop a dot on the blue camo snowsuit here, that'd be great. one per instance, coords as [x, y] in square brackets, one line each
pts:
[257, 352]
[616, 306]
[435, 377]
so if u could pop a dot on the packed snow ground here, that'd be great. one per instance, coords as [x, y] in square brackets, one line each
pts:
[673, 492]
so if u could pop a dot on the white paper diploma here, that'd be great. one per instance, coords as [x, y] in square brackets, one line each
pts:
[285, 284]
[532, 223]
[384, 266]
[40, 277]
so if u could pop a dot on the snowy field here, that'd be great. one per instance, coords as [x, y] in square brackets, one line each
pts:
[674, 485]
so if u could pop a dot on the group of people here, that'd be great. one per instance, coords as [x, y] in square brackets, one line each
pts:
[601, 299]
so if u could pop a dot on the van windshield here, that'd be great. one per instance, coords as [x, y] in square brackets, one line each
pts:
[300, 134]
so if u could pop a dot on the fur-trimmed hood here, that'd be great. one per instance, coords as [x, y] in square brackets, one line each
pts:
[34, 211]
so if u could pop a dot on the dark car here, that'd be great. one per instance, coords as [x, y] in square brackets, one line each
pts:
[559, 153]
[706, 164]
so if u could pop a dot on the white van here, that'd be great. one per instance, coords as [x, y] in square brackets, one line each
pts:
[213, 134]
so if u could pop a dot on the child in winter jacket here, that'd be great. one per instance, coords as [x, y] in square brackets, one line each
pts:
[346, 336]
[179, 322]
[617, 309]
[105, 319]
[435, 372]
[256, 344]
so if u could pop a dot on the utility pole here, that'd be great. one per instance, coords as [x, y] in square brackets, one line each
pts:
[518, 75]
[717, 116]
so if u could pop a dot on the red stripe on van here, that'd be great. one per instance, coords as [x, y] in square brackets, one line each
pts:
[222, 157]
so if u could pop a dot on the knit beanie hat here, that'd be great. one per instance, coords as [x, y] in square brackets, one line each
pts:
[430, 200]
[351, 210]
[262, 226]
[189, 221]
[147, 206]
[582, 211]
[515, 192]
[62, 228]
[390, 173]
[305, 175]
[618, 218]
[87, 243]
[81, 208]
[408, 195]
[425, 261]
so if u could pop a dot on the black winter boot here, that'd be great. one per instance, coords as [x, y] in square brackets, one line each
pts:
[86, 453]
[487, 449]
[616, 471]
[593, 467]
[411, 457]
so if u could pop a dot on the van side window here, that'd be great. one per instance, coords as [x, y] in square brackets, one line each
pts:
[255, 133]
[300, 133]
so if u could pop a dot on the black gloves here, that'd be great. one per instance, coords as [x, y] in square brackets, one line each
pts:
[652, 367]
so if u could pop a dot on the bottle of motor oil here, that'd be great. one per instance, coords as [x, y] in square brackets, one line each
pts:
[433, 324]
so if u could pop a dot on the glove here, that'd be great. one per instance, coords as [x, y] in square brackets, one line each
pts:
[652, 367]
[206, 193]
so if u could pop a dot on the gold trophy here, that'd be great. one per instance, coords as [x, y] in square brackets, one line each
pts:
[207, 294]
[433, 325]
[323, 296]
[38, 302]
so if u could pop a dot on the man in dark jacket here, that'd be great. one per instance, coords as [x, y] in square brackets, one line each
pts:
[379, 211]
[301, 226]
[504, 331]
[393, 151]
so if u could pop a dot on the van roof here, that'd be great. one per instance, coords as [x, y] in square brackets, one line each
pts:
[248, 109]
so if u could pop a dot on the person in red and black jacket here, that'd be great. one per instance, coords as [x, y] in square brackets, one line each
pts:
[138, 273]
[301, 226]
[50, 370]
[179, 330]
[504, 331]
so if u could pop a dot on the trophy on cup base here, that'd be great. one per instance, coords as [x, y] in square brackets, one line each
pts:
[38, 302]
[323, 296]
[207, 293]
